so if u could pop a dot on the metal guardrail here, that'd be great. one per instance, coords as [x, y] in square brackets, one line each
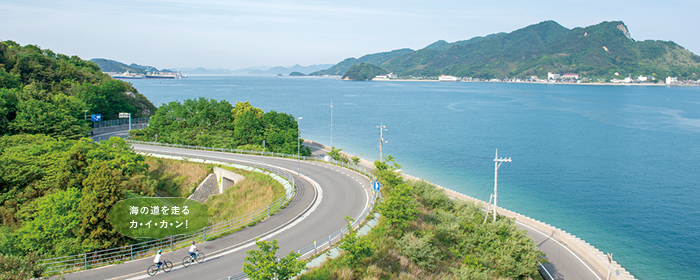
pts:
[543, 272]
[353, 167]
[323, 244]
[103, 127]
[316, 246]
[148, 248]
[108, 123]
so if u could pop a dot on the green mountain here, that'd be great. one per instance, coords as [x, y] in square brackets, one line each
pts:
[42, 92]
[596, 51]
[376, 59]
[107, 65]
[363, 72]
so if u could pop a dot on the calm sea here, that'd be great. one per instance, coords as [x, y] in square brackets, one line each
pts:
[618, 166]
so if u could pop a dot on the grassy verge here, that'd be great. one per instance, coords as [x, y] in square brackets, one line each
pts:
[177, 178]
[255, 191]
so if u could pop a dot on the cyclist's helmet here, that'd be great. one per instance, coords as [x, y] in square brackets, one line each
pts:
[192, 242]
[159, 251]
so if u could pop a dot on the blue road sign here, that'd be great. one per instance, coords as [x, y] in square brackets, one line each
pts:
[96, 117]
[377, 186]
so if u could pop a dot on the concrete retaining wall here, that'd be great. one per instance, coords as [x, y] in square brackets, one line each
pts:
[226, 178]
[597, 259]
[207, 188]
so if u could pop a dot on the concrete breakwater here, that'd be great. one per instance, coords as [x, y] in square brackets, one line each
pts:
[594, 258]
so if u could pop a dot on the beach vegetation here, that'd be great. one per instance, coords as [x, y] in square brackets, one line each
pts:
[434, 237]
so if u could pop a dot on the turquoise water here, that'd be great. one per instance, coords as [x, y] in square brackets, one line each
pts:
[617, 166]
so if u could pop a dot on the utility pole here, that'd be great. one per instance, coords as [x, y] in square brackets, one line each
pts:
[498, 162]
[298, 148]
[382, 128]
[331, 123]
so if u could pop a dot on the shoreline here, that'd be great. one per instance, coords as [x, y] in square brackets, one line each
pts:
[580, 247]
[541, 83]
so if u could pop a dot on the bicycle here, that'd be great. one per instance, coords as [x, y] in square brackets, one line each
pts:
[166, 267]
[189, 260]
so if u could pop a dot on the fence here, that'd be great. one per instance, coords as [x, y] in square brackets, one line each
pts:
[102, 127]
[316, 246]
[148, 248]
[320, 245]
[261, 153]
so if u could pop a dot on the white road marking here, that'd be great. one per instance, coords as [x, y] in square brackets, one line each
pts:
[572, 253]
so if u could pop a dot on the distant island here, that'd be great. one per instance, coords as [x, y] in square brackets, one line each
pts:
[114, 67]
[363, 72]
[540, 52]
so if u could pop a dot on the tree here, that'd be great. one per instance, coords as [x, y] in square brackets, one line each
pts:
[262, 264]
[102, 189]
[399, 208]
[356, 160]
[57, 115]
[20, 267]
[388, 172]
[49, 223]
[356, 248]
[336, 155]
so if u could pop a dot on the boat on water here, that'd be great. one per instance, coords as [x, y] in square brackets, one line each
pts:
[164, 75]
[127, 75]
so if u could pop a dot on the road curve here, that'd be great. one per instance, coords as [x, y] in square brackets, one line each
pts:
[343, 193]
[563, 263]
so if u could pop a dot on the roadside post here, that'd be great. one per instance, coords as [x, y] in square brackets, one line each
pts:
[125, 116]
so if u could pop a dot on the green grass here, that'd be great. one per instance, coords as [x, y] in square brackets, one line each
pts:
[254, 192]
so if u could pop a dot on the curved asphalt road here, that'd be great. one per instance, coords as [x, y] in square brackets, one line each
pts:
[563, 264]
[341, 193]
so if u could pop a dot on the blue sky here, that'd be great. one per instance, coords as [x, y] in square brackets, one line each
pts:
[238, 34]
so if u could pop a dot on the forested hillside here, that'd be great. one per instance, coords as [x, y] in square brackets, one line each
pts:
[375, 59]
[212, 123]
[596, 51]
[49, 93]
[363, 72]
[56, 187]
[108, 65]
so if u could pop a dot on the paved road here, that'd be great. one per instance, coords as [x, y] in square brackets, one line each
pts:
[563, 264]
[341, 193]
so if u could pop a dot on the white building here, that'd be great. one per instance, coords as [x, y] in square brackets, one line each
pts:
[671, 80]
[642, 78]
[552, 76]
[628, 80]
[570, 77]
[381, 77]
[445, 78]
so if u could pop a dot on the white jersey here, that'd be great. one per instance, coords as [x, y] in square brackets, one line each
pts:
[157, 259]
[193, 248]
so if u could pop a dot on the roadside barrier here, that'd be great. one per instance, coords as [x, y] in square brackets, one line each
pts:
[99, 258]
[94, 259]
[317, 246]
[102, 127]
[353, 167]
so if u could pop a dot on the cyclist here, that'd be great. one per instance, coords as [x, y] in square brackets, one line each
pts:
[159, 259]
[192, 253]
